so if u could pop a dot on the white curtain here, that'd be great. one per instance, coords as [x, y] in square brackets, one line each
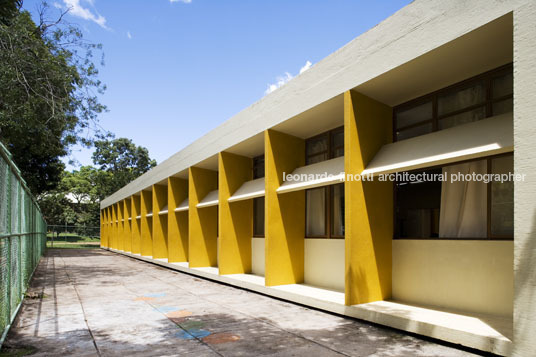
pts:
[316, 212]
[463, 211]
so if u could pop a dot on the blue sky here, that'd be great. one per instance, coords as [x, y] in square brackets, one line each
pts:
[177, 69]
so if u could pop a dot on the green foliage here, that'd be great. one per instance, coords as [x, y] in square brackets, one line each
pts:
[49, 88]
[122, 160]
[75, 201]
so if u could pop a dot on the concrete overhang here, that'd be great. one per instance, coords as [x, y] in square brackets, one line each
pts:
[450, 39]
[486, 137]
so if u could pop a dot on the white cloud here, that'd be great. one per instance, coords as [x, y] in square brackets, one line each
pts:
[307, 65]
[76, 9]
[184, 1]
[57, 5]
[282, 80]
[129, 35]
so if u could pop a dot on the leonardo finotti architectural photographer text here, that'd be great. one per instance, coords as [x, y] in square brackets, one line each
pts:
[410, 177]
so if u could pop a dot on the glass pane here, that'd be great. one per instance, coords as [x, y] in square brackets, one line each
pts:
[416, 131]
[316, 158]
[258, 217]
[464, 203]
[337, 143]
[317, 145]
[338, 152]
[461, 99]
[504, 106]
[315, 213]
[462, 118]
[414, 115]
[502, 198]
[417, 208]
[502, 86]
[337, 210]
[258, 167]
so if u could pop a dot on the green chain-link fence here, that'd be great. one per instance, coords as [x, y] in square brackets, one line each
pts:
[22, 239]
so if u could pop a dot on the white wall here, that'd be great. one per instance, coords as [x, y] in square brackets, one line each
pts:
[257, 256]
[465, 275]
[525, 192]
[324, 263]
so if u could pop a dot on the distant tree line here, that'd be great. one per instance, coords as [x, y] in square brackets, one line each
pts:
[49, 102]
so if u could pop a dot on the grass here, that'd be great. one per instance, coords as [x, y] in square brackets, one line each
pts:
[71, 240]
[17, 351]
[72, 246]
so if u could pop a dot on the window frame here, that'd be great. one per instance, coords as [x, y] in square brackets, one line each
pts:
[257, 162]
[327, 213]
[330, 149]
[263, 220]
[489, 235]
[486, 78]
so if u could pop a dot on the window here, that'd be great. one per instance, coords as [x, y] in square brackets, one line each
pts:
[258, 167]
[258, 217]
[463, 209]
[324, 212]
[474, 99]
[258, 203]
[325, 146]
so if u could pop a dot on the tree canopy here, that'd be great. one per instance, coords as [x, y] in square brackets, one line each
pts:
[75, 201]
[49, 87]
[123, 160]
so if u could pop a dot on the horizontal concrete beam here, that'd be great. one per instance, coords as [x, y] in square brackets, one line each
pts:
[411, 32]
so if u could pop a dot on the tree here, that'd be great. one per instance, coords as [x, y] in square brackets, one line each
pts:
[75, 201]
[49, 92]
[123, 160]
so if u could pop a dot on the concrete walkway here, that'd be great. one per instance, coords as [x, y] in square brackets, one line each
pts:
[93, 302]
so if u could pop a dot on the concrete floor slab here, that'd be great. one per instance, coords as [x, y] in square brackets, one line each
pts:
[99, 303]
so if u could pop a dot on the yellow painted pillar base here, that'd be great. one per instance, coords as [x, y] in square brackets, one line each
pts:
[177, 221]
[203, 222]
[236, 218]
[369, 205]
[285, 213]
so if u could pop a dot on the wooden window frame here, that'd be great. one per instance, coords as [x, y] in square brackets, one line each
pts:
[330, 149]
[327, 213]
[486, 78]
[263, 219]
[489, 235]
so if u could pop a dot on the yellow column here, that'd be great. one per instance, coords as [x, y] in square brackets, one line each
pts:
[160, 244]
[202, 222]
[102, 225]
[106, 241]
[285, 213]
[111, 226]
[177, 221]
[146, 223]
[236, 218]
[121, 224]
[136, 224]
[108, 226]
[369, 205]
[127, 228]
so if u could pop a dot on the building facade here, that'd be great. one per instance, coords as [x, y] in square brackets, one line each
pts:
[331, 191]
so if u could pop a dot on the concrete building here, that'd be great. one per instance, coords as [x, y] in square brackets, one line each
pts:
[438, 88]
